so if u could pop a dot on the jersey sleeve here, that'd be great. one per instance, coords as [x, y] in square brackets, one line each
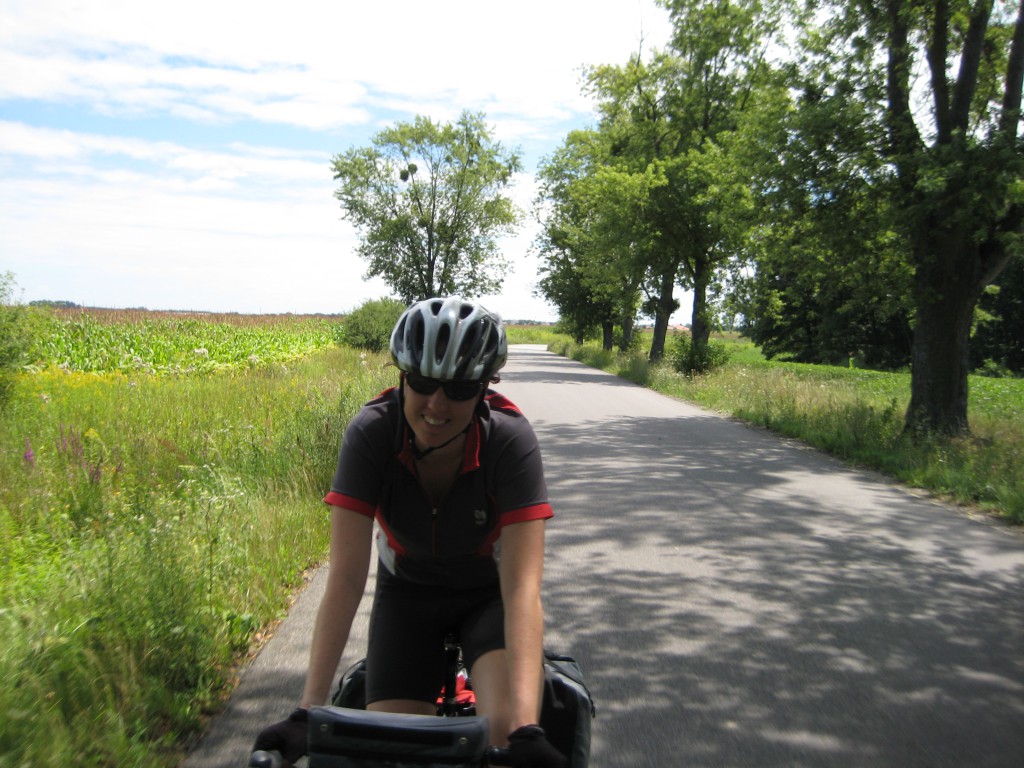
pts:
[359, 475]
[520, 489]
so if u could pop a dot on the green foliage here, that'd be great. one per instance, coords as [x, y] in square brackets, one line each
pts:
[997, 346]
[590, 236]
[14, 336]
[655, 197]
[165, 343]
[369, 327]
[428, 203]
[688, 355]
[149, 526]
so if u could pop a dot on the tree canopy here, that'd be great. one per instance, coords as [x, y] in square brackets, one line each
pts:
[428, 203]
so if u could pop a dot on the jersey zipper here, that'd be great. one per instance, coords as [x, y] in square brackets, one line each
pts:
[433, 531]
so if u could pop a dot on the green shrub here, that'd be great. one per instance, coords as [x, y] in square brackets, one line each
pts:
[687, 357]
[369, 327]
[15, 337]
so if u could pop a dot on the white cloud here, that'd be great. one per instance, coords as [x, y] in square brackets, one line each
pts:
[316, 64]
[124, 183]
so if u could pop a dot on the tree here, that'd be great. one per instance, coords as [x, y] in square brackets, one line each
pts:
[946, 122]
[829, 278]
[427, 201]
[668, 119]
[589, 229]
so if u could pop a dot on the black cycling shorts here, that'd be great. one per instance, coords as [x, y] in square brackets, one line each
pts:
[408, 625]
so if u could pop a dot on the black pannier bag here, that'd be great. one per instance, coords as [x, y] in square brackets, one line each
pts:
[566, 713]
[567, 709]
[354, 738]
[351, 691]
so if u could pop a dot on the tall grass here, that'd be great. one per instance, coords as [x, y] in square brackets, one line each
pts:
[149, 526]
[857, 415]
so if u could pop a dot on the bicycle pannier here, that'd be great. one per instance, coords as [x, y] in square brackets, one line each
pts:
[568, 708]
[351, 691]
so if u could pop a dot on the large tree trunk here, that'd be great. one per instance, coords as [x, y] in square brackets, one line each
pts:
[948, 282]
[608, 335]
[700, 323]
[627, 332]
[666, 305]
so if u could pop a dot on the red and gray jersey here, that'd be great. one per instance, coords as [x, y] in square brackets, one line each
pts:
[453, 544]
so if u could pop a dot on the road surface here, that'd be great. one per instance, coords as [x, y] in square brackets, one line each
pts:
[736, 599]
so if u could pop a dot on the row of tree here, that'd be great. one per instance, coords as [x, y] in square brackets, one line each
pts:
[844, 177]
[841, 177]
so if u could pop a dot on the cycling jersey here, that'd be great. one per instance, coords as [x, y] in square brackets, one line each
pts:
[454, 543]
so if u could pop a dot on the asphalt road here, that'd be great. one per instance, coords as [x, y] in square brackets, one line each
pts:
[736, 599]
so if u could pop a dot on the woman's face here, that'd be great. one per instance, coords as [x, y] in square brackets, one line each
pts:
[436, 419]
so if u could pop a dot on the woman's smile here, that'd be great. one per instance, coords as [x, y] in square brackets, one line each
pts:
[435, 419]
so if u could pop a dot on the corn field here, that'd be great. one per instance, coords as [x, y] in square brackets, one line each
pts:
[100, 341]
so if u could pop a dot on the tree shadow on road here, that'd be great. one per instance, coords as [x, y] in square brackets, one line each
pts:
[738, 600]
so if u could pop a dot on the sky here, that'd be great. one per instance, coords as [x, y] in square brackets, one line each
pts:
[177, 155]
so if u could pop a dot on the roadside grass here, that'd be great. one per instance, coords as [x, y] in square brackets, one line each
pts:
[150, 525]
[856, 415]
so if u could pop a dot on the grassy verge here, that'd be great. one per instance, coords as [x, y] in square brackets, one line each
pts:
[856, 415]
[149, 526]
[535, 334]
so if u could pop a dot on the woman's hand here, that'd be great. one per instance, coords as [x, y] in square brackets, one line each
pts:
[289, 737]
[528, 747]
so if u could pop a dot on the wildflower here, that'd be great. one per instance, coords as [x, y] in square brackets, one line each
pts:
[30, 455]
[201, 352]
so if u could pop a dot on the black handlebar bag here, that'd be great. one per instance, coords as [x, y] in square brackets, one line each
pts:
[354, 738]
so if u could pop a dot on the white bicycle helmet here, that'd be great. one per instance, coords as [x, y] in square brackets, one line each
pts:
[449, 339]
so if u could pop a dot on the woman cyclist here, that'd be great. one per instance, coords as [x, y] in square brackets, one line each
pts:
[451, 471]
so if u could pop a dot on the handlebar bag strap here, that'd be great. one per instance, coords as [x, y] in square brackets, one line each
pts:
[350, 738]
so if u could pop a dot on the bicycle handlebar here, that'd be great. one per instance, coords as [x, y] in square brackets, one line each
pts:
[496, 756]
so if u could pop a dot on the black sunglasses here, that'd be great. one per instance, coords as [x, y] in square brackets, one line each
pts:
[459, 391]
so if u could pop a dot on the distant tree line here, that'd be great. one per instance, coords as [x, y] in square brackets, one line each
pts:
[49, 304]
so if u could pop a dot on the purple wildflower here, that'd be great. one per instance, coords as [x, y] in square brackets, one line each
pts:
[30, 455]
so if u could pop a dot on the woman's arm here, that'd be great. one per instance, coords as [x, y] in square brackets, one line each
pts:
[351, 535]
[522, 569]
